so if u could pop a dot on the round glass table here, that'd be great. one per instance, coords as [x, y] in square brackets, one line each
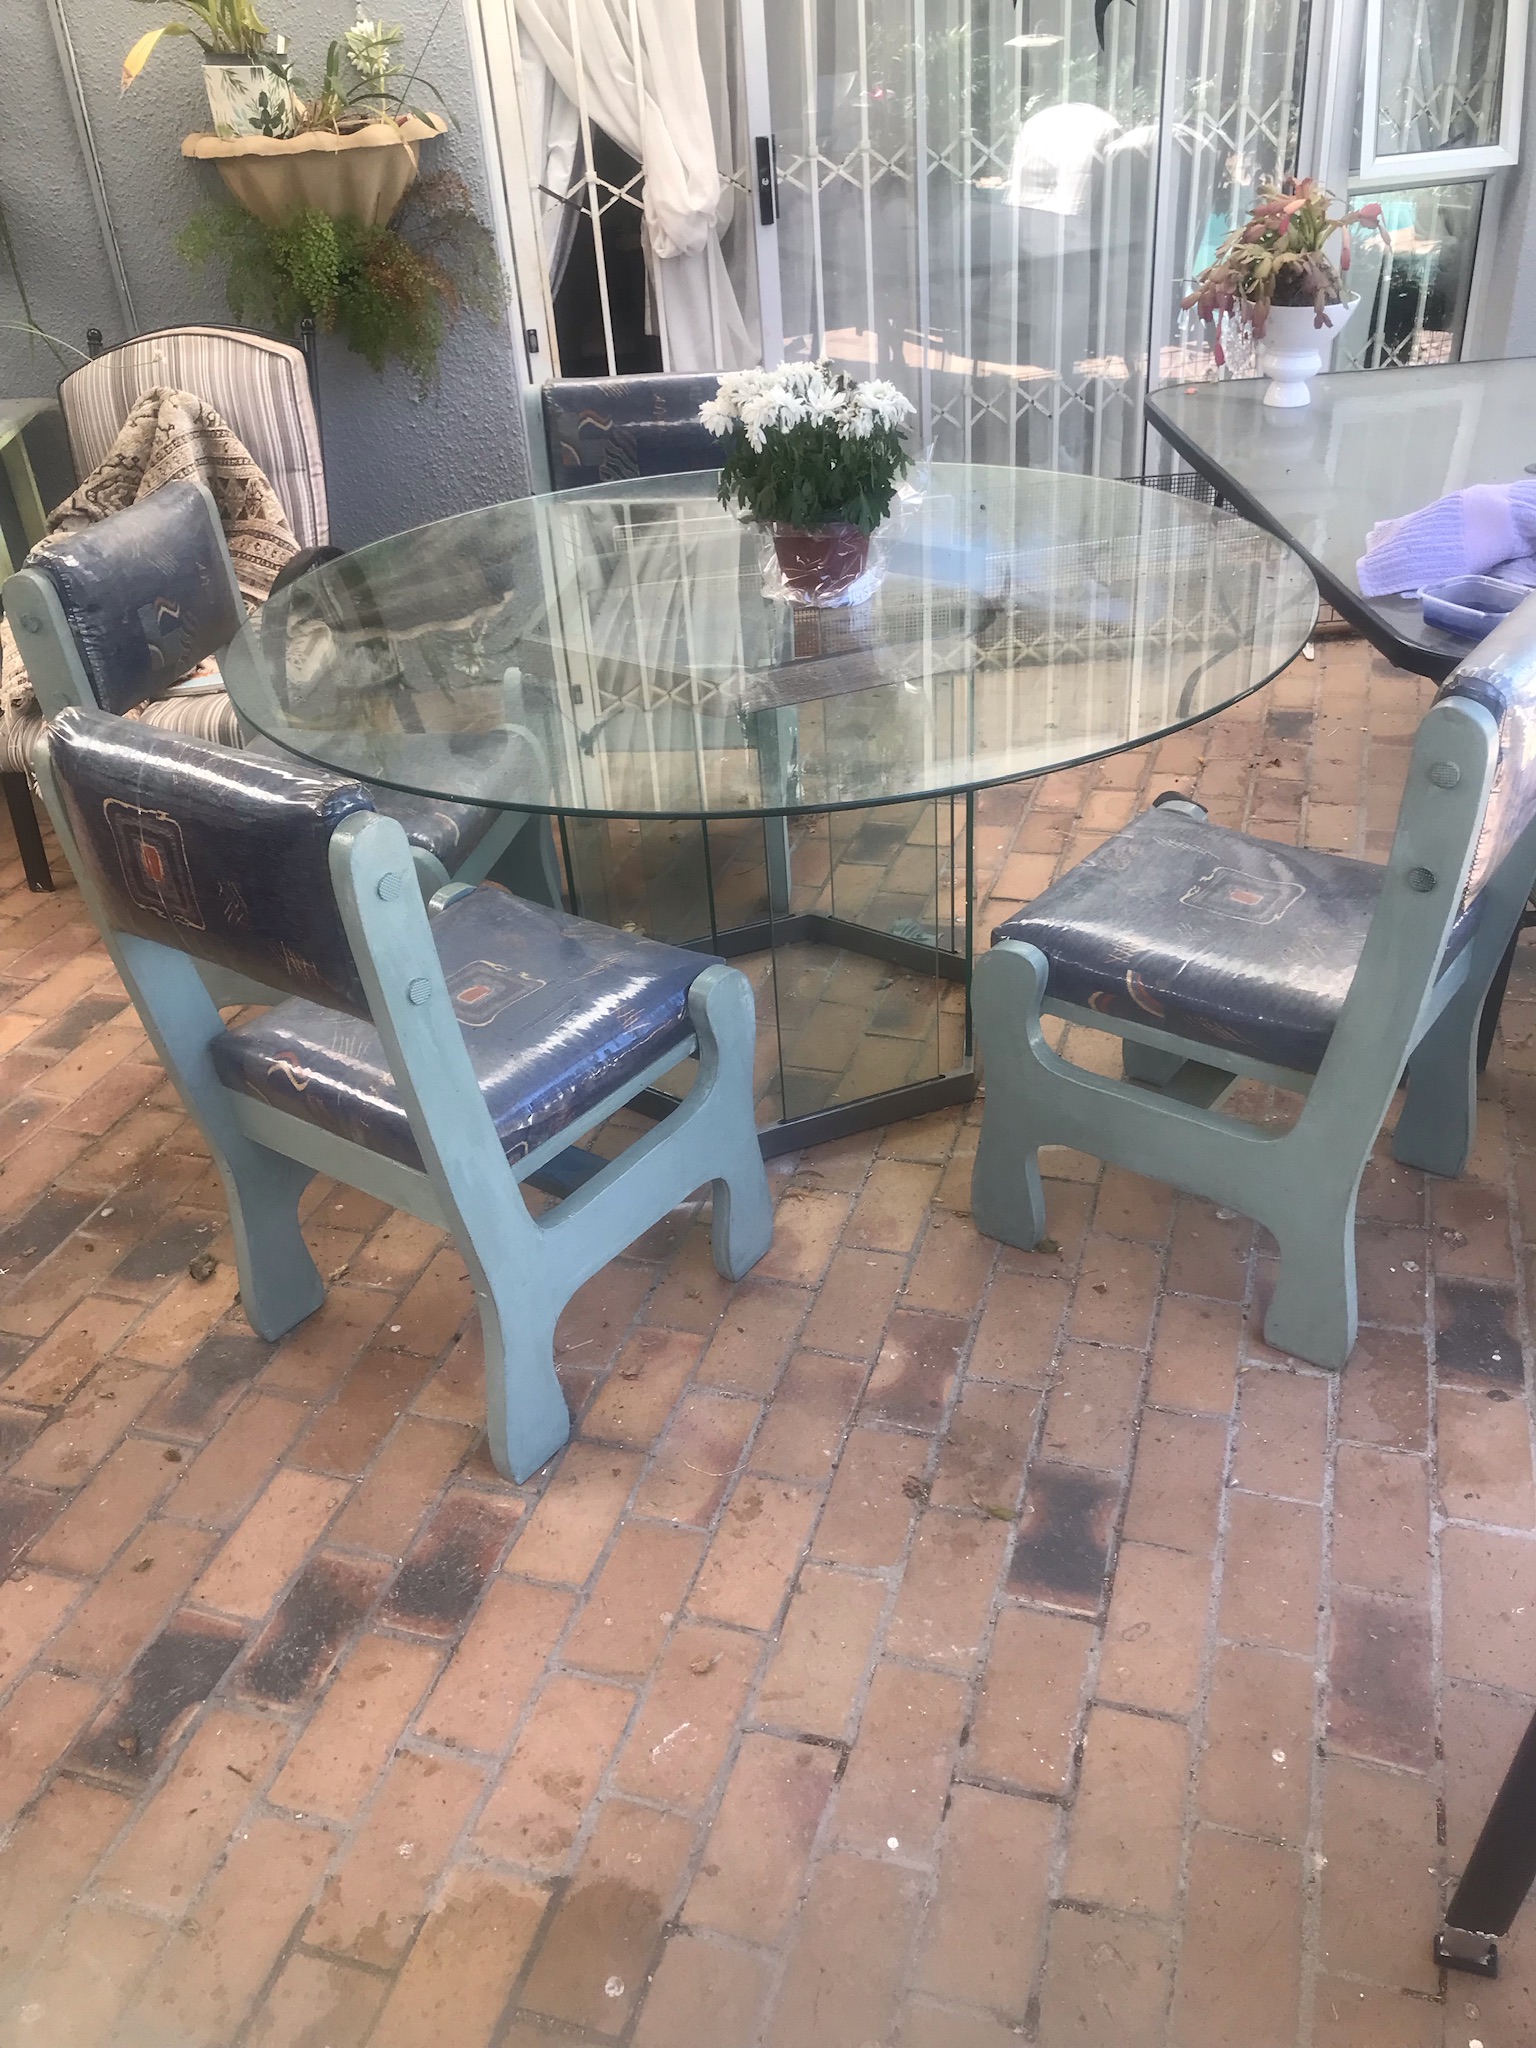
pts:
[786, 785]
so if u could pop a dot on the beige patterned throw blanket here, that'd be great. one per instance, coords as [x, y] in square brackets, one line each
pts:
[169, 436]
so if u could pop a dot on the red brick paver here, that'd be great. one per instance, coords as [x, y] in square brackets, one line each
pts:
[922, 1644]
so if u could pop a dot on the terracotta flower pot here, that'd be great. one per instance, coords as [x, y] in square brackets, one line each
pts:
[364, 175]
[821, 561]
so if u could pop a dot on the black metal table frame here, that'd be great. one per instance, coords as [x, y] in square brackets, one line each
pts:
[1502, 1867]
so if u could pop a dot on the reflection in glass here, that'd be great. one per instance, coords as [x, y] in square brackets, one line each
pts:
[616, 657]
[966, 202]
[618, 652]
[1414, 296]
[1442, 74]
[1237, 122]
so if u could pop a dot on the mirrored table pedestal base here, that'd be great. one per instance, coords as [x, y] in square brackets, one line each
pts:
[854, 927]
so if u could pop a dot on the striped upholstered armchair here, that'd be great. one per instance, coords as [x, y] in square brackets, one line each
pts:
[261, 389]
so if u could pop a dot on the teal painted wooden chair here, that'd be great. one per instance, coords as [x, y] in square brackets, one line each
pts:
[435, 1057]
[111, 616]
[1215, 956]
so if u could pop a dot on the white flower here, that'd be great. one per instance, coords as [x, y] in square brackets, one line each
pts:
[775, 406]
[763, 402]
[824, 405]
[888, 405]
[717, 416]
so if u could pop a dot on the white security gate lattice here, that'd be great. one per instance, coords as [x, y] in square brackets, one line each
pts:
[977, 200]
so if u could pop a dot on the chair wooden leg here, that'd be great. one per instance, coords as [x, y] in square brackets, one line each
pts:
[1149, 1063]
[1313, 1314]
[280, 1283]
[724, 1015]
[1007, 1198]
[1493, 1002]
[527, 1419]
[1007, 1195]
[527, 865]
[29, 837]
[1438, 1120]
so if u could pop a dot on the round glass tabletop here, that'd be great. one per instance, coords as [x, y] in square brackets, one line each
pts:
[622, 651]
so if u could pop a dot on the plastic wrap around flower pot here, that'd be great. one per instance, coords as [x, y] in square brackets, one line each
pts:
[820, 564]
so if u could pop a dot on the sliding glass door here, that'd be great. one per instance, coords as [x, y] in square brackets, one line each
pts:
[996, 203]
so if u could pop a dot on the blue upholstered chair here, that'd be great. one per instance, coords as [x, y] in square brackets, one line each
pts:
[1214, 956]
[434, 1057]
[601, 430]
[111, 616]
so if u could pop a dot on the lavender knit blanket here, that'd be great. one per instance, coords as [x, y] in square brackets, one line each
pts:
[1485, 530]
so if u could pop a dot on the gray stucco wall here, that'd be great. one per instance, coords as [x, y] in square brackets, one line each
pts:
[392, 460]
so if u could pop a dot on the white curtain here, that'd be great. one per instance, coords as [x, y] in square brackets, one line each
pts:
[554, 147]
[580, 53]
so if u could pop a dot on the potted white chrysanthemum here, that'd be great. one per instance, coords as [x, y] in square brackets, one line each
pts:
[816, 458]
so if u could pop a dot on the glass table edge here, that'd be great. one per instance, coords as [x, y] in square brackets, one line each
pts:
[239, 654]
[939, 793]
[1417, 656]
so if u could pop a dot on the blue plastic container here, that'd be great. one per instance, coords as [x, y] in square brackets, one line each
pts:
[1471, 605]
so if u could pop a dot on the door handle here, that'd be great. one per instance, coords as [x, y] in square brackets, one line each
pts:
[767, 181]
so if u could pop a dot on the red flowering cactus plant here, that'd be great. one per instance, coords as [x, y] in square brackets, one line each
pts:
[1279, 257]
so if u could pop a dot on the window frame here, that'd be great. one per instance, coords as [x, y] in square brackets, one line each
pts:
[1440, 166]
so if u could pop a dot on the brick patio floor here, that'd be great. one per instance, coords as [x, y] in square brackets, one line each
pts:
[921, 1644]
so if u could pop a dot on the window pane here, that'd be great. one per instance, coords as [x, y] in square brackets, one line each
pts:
[1413, 300]
[1442, 74]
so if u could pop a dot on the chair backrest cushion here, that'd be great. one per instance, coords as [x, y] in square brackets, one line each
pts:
[1501, 676]
[600, 430]
[147, 593]
[259, 386]
[220, 854]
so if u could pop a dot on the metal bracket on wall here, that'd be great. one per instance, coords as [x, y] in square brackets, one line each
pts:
[94, 178]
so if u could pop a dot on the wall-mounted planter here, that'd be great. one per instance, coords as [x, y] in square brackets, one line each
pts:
[364, 175]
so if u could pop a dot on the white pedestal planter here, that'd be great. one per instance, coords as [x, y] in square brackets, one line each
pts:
[1294, 346]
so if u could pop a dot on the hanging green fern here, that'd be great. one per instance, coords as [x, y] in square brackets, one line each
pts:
[392, 293]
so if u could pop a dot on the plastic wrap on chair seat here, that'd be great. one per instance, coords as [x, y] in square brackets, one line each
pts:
[601, 430]
[1241, 944]
[210, 851]
[451, 831]
[147, 594]
[557, 1013]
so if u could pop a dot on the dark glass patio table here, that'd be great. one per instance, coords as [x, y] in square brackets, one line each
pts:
[788, 786]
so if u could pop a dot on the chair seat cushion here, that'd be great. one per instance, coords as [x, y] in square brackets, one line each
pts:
[451, 831]
[557, 1014]
[1241, 944]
